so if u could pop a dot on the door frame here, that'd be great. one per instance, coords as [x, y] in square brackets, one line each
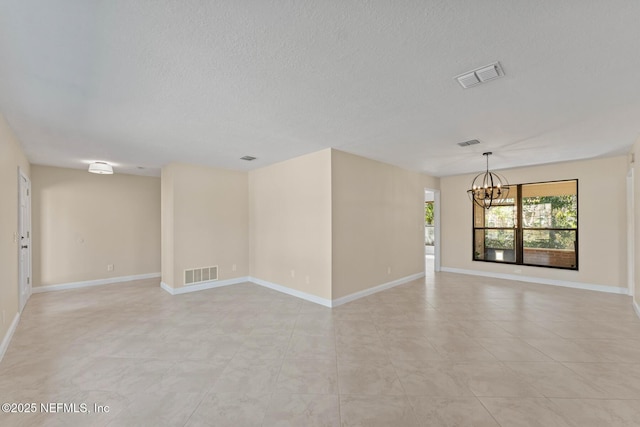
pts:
[631, 232]
[24, 226]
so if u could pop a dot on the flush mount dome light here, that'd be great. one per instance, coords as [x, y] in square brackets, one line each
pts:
[101, 168]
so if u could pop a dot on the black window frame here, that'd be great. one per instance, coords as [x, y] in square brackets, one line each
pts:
[519, 229]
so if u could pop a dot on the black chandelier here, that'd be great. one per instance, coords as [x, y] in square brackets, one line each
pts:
[488, 188]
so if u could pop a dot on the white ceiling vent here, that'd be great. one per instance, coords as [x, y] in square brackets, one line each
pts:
[468, 80]
[468, 143]
[480, 75]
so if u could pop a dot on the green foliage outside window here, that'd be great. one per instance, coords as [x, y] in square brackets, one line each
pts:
[428, 213]
[550, 212]
[559, 212]
[499, 239]
[500, 216]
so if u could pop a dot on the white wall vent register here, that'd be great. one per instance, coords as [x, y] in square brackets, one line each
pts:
[199, 275]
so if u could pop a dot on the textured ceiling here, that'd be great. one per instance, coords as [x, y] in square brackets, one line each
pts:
[144, 83]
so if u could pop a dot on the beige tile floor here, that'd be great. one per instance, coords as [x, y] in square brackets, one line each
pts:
[451, 350]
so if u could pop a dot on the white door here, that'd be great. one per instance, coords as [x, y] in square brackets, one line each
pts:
[24, 240]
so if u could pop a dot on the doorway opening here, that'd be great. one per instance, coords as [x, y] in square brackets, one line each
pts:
[431, 230]
[24, 239]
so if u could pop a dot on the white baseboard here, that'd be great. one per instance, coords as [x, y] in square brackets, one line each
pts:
[98, 282]
[7, 338]
[529, 279]
[375, 289]
[292, 292]
[260, 282]
[203, 286]
[636, 307]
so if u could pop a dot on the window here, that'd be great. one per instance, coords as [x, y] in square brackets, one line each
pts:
[538, 226]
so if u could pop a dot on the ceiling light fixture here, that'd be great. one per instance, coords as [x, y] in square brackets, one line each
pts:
[488, 188]
[101, 168]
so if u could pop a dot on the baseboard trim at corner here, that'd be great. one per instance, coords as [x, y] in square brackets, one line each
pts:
[203, 286]
[530, 279]
[167, 288]
[370, 291]
[289, 291]
[293, 292]
[636, 307]
[4, 346]
[98, 282]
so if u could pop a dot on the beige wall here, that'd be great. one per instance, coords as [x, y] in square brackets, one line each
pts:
[602, 221]
[205, 221]
[82, 222]
[11, 158]
[378, 223]
[290, 217]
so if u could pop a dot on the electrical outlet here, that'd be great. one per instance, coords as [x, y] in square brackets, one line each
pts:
[293, 273]
[307, 279]
[233, 267]
[517, 270]
[4, 314]
[109, 267]
[388, 270]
